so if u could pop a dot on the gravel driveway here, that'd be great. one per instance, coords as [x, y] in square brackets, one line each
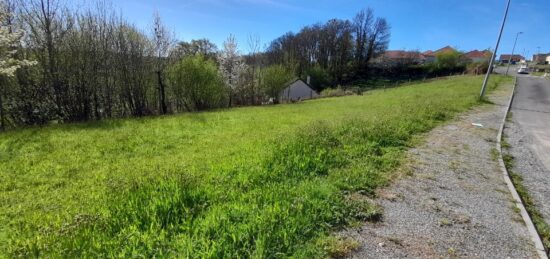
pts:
[455, 203]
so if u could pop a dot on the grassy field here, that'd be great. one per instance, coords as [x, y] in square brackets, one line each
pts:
[257, 182]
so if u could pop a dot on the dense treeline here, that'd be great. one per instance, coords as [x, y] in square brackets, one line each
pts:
[92, 64]
[337, 51]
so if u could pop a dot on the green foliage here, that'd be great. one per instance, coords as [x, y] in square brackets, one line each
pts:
[320, 78]
[477, 68]
[447, 59]
[197, 84]
[274, 79]
[543, 228]
[336, 92]
[262, 182]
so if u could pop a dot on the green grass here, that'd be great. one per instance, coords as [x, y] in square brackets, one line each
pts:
[249, 182]
[542, 227]
[538, 220]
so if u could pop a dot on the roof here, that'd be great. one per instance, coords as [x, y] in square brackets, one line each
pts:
[428, 53]
[445, 49]
[296, 79]
[540, 56]
[297, 90]
[401, 54]
[477, 54]
[507, 56]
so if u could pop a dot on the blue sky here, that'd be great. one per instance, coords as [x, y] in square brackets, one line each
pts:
[416, 24]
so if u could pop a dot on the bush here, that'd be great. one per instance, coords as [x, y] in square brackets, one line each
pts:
[337, 92]
[274, 80]
[320, 78]
[477, 68]
[197, 84]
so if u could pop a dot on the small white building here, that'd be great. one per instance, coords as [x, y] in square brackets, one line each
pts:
[296, 91]
[548, 59]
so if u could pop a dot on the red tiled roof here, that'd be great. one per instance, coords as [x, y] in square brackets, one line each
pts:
[507, 57]
[428, 53]
[400, 54]
[476, 54]
[445, 49]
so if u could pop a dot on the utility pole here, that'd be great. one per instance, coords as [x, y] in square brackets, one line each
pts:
[513, 49]
[494, 53]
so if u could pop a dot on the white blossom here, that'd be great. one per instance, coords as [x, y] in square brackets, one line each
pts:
[232, 65]
[9, 42]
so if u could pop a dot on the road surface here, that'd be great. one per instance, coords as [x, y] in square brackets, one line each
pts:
[531, 109]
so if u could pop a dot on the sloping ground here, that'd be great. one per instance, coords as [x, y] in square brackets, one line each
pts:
[455, 202]
[250, 182]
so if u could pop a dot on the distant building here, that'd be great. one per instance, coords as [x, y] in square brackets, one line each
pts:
[446, 49]
[547, 60]
[402, 57]
[478, 56]
[430, 56]
[541, 58]
[296, 91]
[505, 58]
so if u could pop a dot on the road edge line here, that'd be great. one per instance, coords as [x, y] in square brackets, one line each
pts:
[535, 237]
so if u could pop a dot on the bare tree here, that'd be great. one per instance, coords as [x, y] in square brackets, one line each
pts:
[163, 44]
[254, 45]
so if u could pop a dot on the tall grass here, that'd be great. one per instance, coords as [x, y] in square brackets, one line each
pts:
[249, 182]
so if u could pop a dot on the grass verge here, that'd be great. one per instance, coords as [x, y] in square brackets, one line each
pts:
[260, 182]
[540, 224]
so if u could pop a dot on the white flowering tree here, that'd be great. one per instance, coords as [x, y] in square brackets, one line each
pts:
[232, 67]
[10, 40]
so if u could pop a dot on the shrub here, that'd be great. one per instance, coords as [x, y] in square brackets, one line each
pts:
[320, 78]
[197, 84]
[477, 68]
[339, 91]
[274, 80]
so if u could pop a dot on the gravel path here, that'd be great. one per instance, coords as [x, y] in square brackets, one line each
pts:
[536, 178]
[455, 203]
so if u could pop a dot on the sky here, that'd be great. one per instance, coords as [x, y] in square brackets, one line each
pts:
[416, 24]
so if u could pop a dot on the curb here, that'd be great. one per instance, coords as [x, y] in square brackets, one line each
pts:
[519, 203]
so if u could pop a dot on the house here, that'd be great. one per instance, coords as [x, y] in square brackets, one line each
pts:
[477, 56]
[297, 90]
[446, 49]
[541, 58]
[504, 58]
[547, 60]
[431, 56]
[402, 57]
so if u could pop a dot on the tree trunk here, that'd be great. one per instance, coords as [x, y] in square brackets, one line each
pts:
[162, 97]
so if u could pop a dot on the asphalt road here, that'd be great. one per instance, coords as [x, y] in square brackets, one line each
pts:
[531, 109]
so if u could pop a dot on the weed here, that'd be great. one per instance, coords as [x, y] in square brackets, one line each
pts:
[338, 247]
[543, 228]
[494, 154]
